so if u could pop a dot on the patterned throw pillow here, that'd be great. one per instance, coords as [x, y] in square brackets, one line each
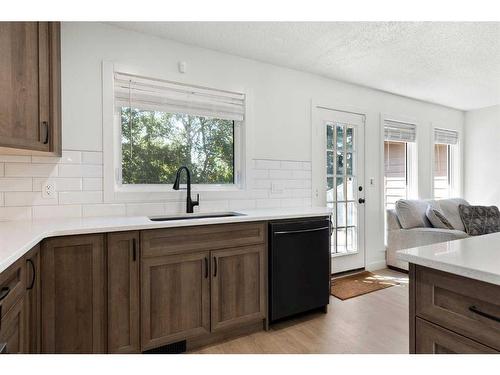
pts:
[480, 219]
[437, 218]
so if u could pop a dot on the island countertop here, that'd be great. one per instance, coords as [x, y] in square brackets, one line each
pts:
[473, 257]
[18, 237]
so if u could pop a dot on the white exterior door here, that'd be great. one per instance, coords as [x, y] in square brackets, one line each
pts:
[338, 182]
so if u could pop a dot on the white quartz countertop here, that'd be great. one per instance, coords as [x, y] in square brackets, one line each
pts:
[474, 257]
[18, 237]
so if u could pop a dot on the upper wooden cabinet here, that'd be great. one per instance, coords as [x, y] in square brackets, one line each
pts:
[30, 88]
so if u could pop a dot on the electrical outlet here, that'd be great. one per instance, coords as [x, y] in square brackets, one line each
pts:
[48, 190]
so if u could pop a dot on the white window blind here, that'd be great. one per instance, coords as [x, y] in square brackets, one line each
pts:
[166, 96]
[399, 131]
[444, 136]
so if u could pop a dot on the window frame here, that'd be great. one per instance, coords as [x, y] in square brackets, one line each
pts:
[454, 164]
[412, 148]
[115, 191]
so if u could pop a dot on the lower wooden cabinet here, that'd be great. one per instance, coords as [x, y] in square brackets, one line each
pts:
[123, 292]
[73, 294]
[13, 330]
[175, 298]
[433, 339]
[238, 286]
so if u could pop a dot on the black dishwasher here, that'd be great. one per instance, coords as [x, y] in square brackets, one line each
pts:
[299, 266]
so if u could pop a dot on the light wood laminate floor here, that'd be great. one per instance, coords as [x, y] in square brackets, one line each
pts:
[372, 323]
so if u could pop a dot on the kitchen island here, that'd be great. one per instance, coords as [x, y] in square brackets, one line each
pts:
[455, 296]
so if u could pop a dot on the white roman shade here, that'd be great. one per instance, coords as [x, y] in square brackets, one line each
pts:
[444, 136]
[399, 131]
[160, 95]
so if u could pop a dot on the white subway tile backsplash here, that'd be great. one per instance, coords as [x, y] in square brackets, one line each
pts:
[30, 170]
[268, 203]
[267, 164]
[68, 157]
[92, 183]
[49, 212]
[261, 174]
[280, 174]
[15, 158]
[78, 179]
[242, 204]
[91, 157]
[15, 184]
[35, 198]
[68, 170]
[15, 213]
[145, 209]
[104, 210]
[80, 197]
[61, 183]
[291, 165]
[301, 174]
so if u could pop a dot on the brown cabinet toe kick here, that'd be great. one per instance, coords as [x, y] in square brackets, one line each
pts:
[452, 314]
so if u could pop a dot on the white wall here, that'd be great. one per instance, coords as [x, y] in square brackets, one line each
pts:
[482, 156]
[279, 118]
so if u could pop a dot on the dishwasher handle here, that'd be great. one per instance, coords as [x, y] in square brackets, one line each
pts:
[301, 230]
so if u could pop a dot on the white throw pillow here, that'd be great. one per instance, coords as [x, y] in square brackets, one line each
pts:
[437, 218]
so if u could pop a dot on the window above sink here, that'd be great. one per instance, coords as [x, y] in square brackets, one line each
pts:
[157, 125]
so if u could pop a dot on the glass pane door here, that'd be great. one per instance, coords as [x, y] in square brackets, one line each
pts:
[341, 185]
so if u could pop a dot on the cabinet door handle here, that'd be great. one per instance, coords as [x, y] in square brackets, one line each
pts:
[45, 126]
[206, 267]
[215, 266]
[475, 310]
[134, 249]
[4, 292]
[32, 283]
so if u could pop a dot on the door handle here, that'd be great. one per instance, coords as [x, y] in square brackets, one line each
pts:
[206, 267]
[475, 310]
[215, 266]
[361, 200]
[45, 126]
[134, 249]
[4, 292]
[32, 283]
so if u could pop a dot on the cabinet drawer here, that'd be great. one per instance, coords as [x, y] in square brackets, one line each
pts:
[158, 242]
[12, 286]
[465, 306]
[432, 339]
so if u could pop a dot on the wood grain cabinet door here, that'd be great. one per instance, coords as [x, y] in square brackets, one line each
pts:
[123, 292]
[30, 85]
[175, 298]
[74, 294]
[13, 330]
[238, 286]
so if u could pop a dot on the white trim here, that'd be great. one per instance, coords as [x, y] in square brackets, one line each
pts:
[457, 161]
[316, 173]
[114, 192]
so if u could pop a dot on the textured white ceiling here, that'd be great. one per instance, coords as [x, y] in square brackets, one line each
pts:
[455, 64]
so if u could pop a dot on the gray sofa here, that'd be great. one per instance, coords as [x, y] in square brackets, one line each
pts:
[408, 226]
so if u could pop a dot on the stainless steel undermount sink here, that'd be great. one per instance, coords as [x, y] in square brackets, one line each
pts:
[195, 216]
